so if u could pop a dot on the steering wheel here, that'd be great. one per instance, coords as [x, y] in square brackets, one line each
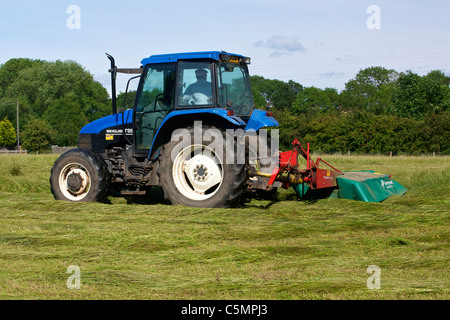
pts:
[241, 105]
[198, 99]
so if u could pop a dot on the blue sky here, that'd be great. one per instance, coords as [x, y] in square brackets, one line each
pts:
[320, 43]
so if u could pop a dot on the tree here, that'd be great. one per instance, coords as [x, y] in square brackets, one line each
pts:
[416, 96]
[129, 102]
[439, 77]
[10, 71]
[7, 133]
[282, 94]
[315, 100]
[370, 90]
[66, 120]
[37, 135]
[39, 84]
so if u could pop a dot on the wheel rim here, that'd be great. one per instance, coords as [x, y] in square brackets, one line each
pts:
[74, 181]
[197, 172]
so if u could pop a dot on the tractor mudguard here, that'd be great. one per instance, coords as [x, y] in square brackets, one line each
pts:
[260, 119]
[234, 121]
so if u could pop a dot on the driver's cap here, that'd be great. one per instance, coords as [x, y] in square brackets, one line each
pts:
[201, 71]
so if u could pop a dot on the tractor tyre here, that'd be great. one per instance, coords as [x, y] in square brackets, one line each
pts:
[79, 175]
[194, 174]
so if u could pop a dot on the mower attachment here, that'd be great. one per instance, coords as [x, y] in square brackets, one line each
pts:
[318, 183]
[289, 172]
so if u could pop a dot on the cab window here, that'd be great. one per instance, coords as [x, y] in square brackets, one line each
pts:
[195, 84]
[154, 102]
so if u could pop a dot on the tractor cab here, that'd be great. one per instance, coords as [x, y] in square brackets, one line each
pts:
[199, 80]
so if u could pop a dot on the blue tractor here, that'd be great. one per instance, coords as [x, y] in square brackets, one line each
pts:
[132, 150]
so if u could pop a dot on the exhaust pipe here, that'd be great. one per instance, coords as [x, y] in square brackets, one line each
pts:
[113, 71]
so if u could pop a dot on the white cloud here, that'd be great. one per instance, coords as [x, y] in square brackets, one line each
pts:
[332, 75]
[282, 45]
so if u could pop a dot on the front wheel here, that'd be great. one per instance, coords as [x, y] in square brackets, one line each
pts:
[196, 174]
[79, 175]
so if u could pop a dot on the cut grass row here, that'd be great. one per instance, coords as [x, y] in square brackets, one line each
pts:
[142, 248]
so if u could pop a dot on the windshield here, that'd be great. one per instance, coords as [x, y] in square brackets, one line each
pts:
[195, 84]
[234, 92]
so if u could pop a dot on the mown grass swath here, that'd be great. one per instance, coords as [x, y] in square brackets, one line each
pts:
[143, 248]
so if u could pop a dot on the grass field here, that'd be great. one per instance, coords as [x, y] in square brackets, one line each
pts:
[143, 248]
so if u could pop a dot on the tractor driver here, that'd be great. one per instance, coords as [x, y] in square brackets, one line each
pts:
[201, 86]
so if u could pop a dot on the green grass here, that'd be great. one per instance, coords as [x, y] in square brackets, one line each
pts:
[142, 248]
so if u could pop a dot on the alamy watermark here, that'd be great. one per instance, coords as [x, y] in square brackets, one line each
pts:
[374, 20]
[374, 281]
[74, 281]
[236, 146]
[74, 19]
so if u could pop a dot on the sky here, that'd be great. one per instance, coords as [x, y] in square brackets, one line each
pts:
[320, 43]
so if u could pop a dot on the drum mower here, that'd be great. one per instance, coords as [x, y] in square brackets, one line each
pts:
[317, 181]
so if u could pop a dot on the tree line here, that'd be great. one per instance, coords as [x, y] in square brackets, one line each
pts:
[56, 99]
[379, 111]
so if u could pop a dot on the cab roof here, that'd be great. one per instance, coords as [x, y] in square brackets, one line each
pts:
[174, 57]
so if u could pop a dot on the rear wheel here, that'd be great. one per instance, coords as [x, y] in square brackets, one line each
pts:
[196, 174]
[79, 175]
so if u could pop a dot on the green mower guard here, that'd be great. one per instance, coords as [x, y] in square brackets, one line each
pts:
[368, 186]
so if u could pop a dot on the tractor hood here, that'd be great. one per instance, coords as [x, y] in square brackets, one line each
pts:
[107, 122]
